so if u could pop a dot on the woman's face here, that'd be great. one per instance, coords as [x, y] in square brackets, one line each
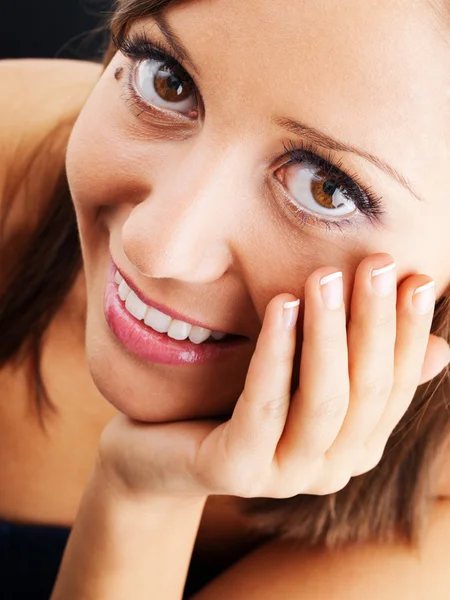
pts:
[193, 191]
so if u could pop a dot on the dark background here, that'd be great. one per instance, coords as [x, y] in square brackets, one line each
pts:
[53, 28]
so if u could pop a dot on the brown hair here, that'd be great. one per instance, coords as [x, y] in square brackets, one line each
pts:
[389, 503]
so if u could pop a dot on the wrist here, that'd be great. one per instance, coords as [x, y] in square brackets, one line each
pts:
[135, 543]
[108, 482]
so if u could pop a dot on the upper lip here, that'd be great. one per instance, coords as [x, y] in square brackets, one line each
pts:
[167, 311]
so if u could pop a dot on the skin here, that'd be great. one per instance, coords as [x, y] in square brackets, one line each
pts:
[192, 209]
[40, 488]
[202, 237]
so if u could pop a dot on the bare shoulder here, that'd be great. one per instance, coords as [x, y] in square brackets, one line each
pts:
[39, 101]
[40, 79]
[283, 570]
[36, 93]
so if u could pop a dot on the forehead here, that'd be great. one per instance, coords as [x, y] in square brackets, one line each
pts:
[365, 72]
[348, 52]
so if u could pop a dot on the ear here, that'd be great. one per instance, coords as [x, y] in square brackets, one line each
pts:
[436, 359]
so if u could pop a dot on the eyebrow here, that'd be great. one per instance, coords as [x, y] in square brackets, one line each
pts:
[296, 127]
[326, 141]
[174, 41]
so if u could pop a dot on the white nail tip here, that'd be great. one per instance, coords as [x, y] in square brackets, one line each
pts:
[331, 277]
[386, 269]
[425, 287]
[291, 304]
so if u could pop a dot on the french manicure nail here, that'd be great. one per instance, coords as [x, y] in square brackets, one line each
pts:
[424, 297]
[290, 314]
[332, 290]
[384, 280]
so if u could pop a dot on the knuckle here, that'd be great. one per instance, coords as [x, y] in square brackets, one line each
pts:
[329, 341]
[335, 482]
[276, 407]
[239, 476]
[418, 330]
[332, 407]
[283, 357]
[420, 335]
[376, 389]
[244, 483]
[284, 492]
[371, 460]
[405, 389]
[384, 320]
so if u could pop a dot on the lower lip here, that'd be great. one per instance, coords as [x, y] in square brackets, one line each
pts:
[151, 345]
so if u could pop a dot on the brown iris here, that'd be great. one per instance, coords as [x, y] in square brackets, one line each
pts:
[170, 87]
[323, 190]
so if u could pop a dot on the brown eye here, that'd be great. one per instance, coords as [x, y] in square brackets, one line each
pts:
[169, 87]
[323, 191]
[313, 190]
[160, 85]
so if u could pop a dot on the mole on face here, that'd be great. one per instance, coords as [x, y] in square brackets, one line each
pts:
[118, 73]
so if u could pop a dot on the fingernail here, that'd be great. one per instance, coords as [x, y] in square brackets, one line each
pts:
[424, 297]
[290, 314]
[384, 280]
[332, 290]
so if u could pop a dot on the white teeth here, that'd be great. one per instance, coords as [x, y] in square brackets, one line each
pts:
[199, 334]
[179, 330]
[135, 306]
[124, 290]
[218, 335]
[157, 320]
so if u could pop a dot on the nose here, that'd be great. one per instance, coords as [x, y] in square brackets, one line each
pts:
[184, 228]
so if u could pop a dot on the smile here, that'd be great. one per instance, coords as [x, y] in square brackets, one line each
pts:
[157, 337]
[159, 321]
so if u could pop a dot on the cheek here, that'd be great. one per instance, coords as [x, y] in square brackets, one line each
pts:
[102, 167]
[433, 241]
[419, 240]
[107, 162]
[287, 257]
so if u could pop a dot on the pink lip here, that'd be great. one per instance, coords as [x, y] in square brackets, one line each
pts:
[151, 345]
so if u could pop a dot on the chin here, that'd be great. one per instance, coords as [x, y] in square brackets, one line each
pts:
[156, 392]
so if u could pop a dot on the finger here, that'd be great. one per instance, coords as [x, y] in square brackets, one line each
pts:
[437, 357]
[371, 340]
[259, 416]
[319, 405]
[415, 307]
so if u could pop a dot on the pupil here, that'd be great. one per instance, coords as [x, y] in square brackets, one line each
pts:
[173, 82]
[329, 187]
[169, 87]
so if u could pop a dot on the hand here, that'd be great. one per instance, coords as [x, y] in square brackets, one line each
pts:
[356, 382]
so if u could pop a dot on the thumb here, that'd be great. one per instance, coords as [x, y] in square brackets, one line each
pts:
[436, 359]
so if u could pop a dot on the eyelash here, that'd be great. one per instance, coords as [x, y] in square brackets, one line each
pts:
[367, 202]
[140, 48]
